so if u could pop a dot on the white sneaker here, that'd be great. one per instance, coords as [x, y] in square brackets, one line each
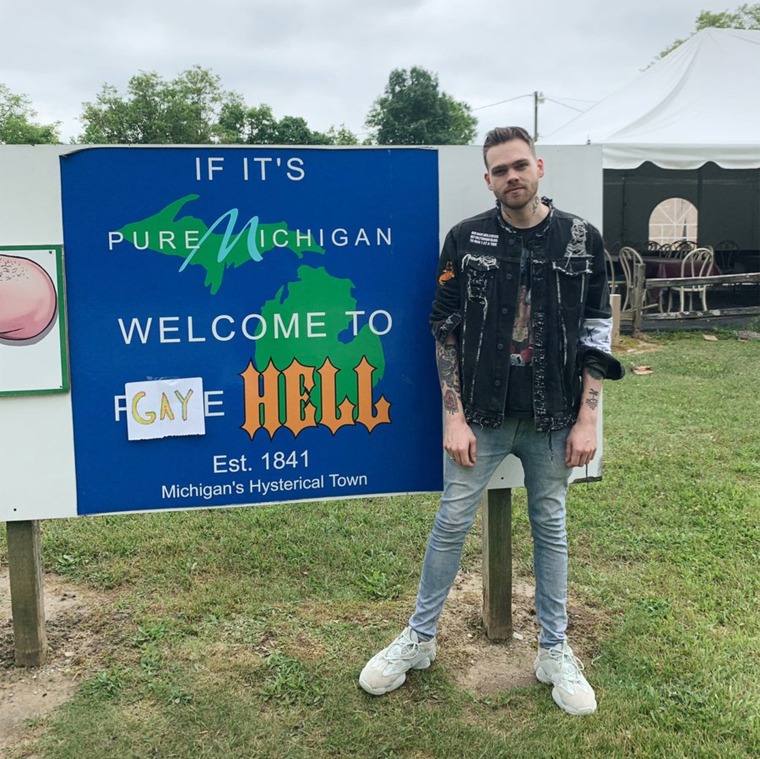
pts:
[387, 670]
[559, 667]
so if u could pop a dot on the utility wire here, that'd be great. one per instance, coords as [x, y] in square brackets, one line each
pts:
[543, 97]
[571, 107]
[501, 102]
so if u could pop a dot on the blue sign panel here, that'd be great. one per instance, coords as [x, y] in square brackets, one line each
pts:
[249, 325]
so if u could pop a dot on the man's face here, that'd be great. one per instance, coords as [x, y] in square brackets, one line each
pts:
[513, 173]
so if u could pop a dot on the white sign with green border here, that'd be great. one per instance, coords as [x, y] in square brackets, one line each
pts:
[33, 356]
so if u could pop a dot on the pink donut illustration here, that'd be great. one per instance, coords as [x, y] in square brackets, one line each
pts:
[28, 299]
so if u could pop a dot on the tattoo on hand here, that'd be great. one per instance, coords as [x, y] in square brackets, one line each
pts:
[594, 373]
[593, 401]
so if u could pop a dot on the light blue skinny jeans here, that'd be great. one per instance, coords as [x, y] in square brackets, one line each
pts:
[546, 478]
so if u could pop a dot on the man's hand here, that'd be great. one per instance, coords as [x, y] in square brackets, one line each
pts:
[581, 443]
[459, 441]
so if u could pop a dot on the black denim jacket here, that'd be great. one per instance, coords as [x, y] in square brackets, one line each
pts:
[478, 281]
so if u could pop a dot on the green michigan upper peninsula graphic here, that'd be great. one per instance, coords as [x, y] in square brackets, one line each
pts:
[200, 245]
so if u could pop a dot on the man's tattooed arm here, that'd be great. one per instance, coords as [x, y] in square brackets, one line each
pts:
[591, 394]
[581, 444]
[447, 361]
[592, 401]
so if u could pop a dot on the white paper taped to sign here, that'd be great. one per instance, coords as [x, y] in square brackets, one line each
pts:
[165, 408]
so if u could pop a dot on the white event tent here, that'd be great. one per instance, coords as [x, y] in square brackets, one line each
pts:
[697, 104]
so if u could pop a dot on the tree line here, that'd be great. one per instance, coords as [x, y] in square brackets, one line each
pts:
[194, 108]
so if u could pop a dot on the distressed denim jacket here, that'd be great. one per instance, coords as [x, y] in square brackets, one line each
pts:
[478, 281]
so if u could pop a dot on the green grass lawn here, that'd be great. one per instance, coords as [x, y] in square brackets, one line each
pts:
[241, 632]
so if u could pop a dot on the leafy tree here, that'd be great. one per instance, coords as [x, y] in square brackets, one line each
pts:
[182, 111]
[341, 136]
[17, 125]
[744, 17]
[413, 111]
[247, 126]
[192, 109]
[293, 130]
[258, 126]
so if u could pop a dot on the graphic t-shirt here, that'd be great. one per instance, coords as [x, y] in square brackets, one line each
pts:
[520, 390]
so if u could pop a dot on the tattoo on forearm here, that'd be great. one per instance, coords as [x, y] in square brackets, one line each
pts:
[594, 373]
[447, 360]
[593, 401]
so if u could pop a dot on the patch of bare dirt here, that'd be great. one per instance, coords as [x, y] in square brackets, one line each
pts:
[638, 343]
[486, 668]
[74, 625]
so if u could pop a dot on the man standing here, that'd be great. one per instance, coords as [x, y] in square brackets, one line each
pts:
[522, 324]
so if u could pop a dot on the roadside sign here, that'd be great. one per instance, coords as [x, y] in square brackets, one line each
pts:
[284, 291]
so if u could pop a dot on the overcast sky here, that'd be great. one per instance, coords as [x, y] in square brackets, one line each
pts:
[327, 60]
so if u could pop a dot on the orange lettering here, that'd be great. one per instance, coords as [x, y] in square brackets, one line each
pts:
[299, 411]
[364, 416]
[333, 416]
[265, 405]
[262, 399]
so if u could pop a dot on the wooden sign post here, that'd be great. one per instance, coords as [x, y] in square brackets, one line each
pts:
[27, 597]
[497, 564]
